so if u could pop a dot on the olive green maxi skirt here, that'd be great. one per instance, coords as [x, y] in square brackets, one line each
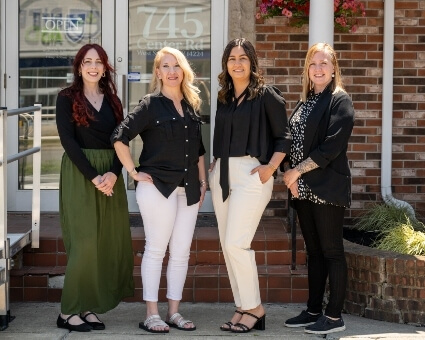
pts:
[97, 238]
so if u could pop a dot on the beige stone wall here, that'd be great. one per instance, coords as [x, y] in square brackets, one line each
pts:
[242, 19]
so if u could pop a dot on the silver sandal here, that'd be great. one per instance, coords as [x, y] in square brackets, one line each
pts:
[153, 321]
[177, 321]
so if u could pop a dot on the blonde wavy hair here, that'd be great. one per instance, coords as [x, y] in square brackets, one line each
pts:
[336, 84]
[190, 91]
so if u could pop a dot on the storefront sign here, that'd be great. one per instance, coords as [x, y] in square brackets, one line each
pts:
[186, 28]
[47, 25]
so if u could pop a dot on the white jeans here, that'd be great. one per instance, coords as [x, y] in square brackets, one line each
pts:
[238, 218]
[167, 221]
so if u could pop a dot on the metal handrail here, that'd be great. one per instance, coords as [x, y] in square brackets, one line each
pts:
[28, 109]
[37, 110]
[22, 154]
[292, 221]
[5, 252]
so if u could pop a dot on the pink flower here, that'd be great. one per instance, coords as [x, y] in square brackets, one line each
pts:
[287, 13]
[346, 12]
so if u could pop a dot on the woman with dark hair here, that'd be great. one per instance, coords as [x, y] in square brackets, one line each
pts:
[92, 197]
[251, 138]
[320, 183]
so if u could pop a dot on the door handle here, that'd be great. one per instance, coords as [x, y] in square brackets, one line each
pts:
[122, 83]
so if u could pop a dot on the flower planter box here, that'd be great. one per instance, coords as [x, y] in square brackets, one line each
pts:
[384, 285]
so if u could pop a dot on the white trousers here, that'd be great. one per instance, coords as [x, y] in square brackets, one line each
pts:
[167, 222]
[238, 218]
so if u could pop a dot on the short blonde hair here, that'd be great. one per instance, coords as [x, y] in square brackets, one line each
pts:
[307, 84]
[190, 91]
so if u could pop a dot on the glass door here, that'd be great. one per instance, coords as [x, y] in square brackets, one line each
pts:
[185, 25]
[42, 38]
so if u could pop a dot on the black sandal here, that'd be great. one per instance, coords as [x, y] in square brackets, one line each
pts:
[229, 323]
[260, 324]
[96, 325]
[64, 323]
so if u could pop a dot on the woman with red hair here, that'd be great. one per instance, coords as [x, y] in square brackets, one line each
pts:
[92, 197]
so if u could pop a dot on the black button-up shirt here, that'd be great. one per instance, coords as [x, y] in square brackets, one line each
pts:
[172, 144]
[259, 127]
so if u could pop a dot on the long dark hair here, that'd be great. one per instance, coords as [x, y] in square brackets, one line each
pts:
[81, 113]
[225, 81]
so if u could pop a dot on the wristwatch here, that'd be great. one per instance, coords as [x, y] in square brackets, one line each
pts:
[133, 172]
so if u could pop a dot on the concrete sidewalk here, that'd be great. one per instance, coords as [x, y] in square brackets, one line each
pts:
[38, 321]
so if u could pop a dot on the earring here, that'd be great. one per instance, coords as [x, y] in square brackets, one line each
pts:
[333, 75]
[103, 75]
[79, 73]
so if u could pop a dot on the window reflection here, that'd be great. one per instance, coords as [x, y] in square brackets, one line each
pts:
[185, 26]
[50, 34]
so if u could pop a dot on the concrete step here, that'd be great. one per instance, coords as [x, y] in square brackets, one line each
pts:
[41, 273]
[204, 283]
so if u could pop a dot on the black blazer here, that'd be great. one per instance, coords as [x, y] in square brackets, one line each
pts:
[328, 129]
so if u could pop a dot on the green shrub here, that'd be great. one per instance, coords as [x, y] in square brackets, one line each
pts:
[403, 239]
[396, 230]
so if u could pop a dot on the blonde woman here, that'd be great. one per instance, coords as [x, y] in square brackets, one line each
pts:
[171, 180]
[320, 183]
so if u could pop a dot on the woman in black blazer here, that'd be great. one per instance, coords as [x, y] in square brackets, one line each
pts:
[320, 183]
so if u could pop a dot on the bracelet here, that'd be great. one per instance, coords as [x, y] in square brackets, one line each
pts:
[203, 182]
[133, 172]
[272, 166]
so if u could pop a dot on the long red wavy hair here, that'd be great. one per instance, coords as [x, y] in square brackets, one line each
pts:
[81, 112]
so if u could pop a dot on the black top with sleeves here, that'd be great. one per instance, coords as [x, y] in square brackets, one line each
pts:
[259, 126]
[96, 136]
[327, 131]
[297, 124]
[172, 144]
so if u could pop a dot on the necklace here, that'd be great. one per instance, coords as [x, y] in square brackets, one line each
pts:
[93, 99]
[179, 109]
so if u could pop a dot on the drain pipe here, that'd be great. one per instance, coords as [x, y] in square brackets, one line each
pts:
[387, 109]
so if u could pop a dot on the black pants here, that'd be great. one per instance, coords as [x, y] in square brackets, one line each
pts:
[321, 225]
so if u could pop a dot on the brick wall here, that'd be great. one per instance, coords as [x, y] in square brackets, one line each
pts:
[384, 285]
[282, 49]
